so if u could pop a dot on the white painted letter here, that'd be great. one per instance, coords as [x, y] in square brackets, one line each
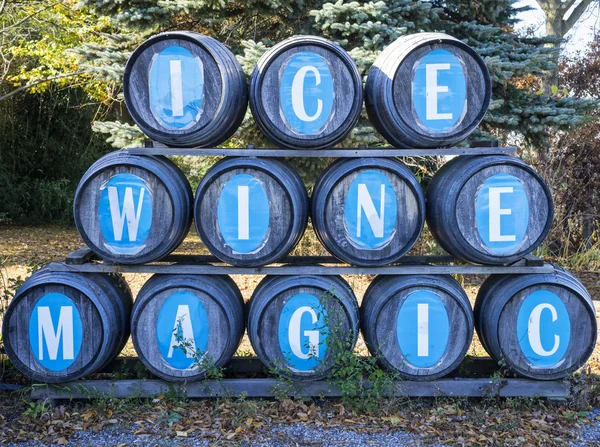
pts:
[496, 212]
[298, 94]
[243, 213]
[176, 88]
[187, 333]
[118, 218]
[64, 330]
[366, 203]
[534, 330]
[432, 89]
[295, 338]
[422, 330]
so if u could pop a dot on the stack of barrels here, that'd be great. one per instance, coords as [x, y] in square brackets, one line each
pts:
[425, 90]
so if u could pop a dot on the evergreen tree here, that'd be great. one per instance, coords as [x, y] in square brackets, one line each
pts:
[520, 109]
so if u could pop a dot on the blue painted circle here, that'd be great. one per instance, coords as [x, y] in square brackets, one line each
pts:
[306, 93]
[436, 332]
[176, 68]
[451, 105]
[365, 194]
[514, 225]
[545, 345]
[182, 324]
[55, 332]
[125, 221]
[257, 213]
[303, 332]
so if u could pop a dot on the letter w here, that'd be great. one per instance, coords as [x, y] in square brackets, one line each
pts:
[132, 216]
[46, 332]
[366, 203]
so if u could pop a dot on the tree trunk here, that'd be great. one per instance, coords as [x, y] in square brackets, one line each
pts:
[554, 27]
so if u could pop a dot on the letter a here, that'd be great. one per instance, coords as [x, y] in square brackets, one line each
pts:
[183, 328]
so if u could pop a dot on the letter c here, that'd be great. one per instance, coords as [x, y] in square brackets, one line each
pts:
[534, 330]
[298, 94]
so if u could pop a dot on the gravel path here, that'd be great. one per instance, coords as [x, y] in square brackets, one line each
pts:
[276, 436]
[590, 434]
[302, 435]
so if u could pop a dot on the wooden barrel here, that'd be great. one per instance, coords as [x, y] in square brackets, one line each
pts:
[417, 326]
[489, 210]
[183, 327]
[543, 326]
[63, 326]
[299, 324]
[306, 92]
[427, 90]
[251, 211]
[133, 209]
[185, 89]
[368, 211]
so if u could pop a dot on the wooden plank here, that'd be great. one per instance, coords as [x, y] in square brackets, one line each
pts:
[191, 269]
[324, 153]
[73, 259]
[10, 387]
[80, 256]
[266, 388]
[470, 367]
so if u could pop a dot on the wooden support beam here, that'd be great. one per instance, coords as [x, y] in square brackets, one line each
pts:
[267, 388]
[333, 153]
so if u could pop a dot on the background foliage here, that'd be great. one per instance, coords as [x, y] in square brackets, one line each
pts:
[71, 54]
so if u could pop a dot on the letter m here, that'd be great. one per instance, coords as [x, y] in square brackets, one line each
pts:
[52, 337]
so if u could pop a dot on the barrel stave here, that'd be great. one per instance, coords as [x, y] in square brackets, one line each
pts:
[335, 319]
[216, 322]
[341, 101]
[339, 210]
[386, 321]
[512, 310]
[276, 210]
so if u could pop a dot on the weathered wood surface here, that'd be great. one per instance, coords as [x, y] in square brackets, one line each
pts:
[85, 254]
[295, 324]
[471, 367]
[324, 153]
[201, 104]
[133, 209]
[199, 269]
[407, 110]
[214, 310]
[259, 226]
[489, 210]
[369, 211]
[64, 326]
[329, 89]
[419, 327]
[543, 326]
[264, 388]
